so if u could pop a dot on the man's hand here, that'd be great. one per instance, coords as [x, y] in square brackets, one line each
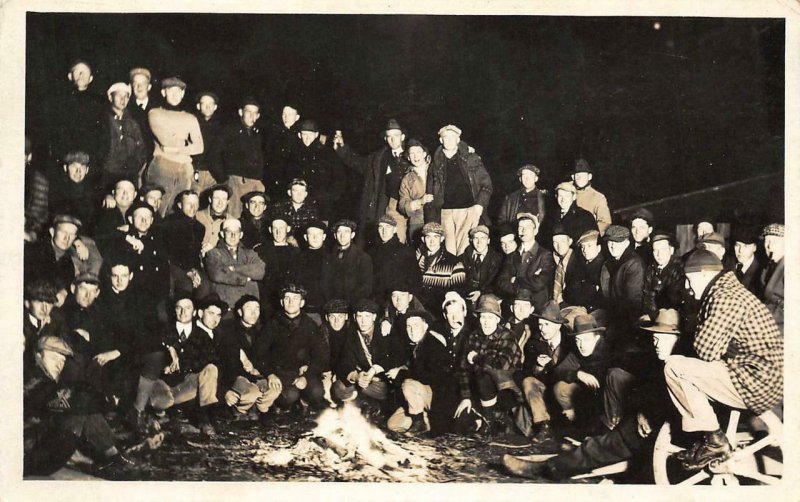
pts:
[464, 405]
[81, 251]
[274, 382]
[392, 373]
[352, 376]
[386, 327]
[175, 365]
[106, 357]
[262, 384]
[109, 202]
[644, 425]
[338, 140]
[364, 379]
[61, 297]
[300, 382]
[302, 370]
[473, 297]
[471, 356]
[135, 243]
[84, 334]
[588, 380]
[292, 241]
[543, 359]
[194, 275]
[231, 397]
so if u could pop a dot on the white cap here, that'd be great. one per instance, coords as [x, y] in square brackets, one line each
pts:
[119, 86]
[453, 297]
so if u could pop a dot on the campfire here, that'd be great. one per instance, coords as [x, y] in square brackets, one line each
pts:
[346, 443]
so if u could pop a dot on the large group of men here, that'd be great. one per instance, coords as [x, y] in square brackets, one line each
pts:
[174, 262]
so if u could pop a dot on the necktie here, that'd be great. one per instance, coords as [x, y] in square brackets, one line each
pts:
[739, 270]
[558, 284]
[182, 337]
[141, 106]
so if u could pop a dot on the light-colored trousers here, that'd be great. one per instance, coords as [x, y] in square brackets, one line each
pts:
[418, 396]
[457, 223]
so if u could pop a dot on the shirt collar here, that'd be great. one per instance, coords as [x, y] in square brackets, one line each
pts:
[184, 327]
[143, 102]
[205, 328]
[746, 264]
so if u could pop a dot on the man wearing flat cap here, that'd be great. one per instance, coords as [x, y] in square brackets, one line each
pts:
[183, 237]
[393, 262]
[622, 285]
[346, 270]
[663, 280]
[715, 242]
[588, 198]
[461, 189]
[575, 220]
[648, 411]
[51, 259]
[770, 282]
[441, 271]
[531, 267]
[254, 218]
[79, 117]
[140, 104]
[314, 163]
[583, 285]
[211, 128]
[282, 141]
[126, 150]
[412, 191]
[214, 215]
[565, 259]
[748, 264]
[241, 157]
[306, 267]
[528, 199]
[381, 171]
[233, 269]
[481, 264]
[299, 210]
[278, 256]
[177, 137]
[739, 364]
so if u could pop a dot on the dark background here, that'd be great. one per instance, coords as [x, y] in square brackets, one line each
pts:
[697, 103]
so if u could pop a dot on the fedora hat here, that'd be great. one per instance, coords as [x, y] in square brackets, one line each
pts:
[586, 323]
[667, 321]
[551, 313]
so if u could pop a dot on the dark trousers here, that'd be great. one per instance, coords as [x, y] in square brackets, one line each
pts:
[313, 394]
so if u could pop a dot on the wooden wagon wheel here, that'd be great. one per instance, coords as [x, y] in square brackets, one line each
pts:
[750, 463]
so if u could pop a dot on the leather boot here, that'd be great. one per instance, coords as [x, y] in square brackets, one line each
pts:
[714, 447]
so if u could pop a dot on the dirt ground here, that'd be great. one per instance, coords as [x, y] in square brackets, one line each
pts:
[288, 450]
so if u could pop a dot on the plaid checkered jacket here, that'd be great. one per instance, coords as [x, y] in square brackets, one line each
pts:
[734, 326]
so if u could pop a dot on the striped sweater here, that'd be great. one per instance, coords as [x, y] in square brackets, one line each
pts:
[441, 272]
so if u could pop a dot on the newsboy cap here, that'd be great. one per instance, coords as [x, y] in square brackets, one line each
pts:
[712, 238]
[385, 218]
[582, 166]
[433, 228]
[309, 126]
[528, 216]
[139, 71]
[366, 305]
[251, 101]
[450, 128]
[567, 186]
[212, 300]
[138, 204]
[589, 235]
[617, 233]
[250, 195]
[77, 156]
[702, 260]
[528, 167]
[295, 289]
[88, 278]
[117, 87]
[415, 142]
[663, 236]
[149, 187]
[206, 93]
[66, 218]
[344, 222]
[643, 214]
[173, 82]
[776, 229]
[244, 300]
[41, 290]
[421, 313]
[480, 229]
[336, 306]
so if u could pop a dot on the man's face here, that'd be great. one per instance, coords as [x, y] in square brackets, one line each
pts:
[564, 199]
[449, 140]
[249, 115]
[249, 312]
[528, 179]
[211, 316]
[616, 249]
[417, 156]
[315, 237]
[298, 194]
[696, 282]
[77, 172]
[124, 194]
[64, 235]
[308, 137]
[173, 95]
[154, 197]
[395, 138]
[81, 76]
[664, 343]
[289, 116]
[86, 294]
[190, 204]
[39, 309]
[455, 315]
[232, 235]
[207, 106]
[581, 179]
[717, 249]
[586, 342]
[640, 230]
[773, 245]
[590, 249]
[549, 329]
[527, 230]
[480, 241]
[256, 206]
[488, 322]
[416, 328]
[386, 232]
[365, 321]
[279, 230]
[744, 252]
[141, 86]
[119, 100]
[433, 241]
[120, 277]
[184, 310]
[508, 243]
[142, 220]
[662, 252]
[561, 244]
[337, 320]
[219, 201]
[522, 309]
[401, 300]
[344, 235]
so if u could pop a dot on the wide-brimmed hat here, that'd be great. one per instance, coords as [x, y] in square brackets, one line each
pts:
[667, 321]
[586, 323]
[551, 313]
[489, 304]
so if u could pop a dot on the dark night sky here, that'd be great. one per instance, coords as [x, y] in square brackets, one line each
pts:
[697, 103]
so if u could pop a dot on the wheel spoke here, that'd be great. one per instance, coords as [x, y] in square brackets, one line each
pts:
[696, 478]
[764, 478]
